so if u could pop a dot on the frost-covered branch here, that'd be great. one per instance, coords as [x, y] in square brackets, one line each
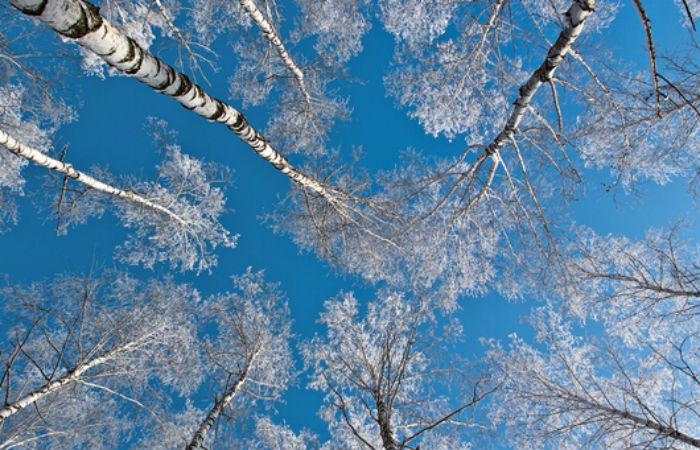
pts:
[575, 17]
[80, 20]
[271, 34]
[67, 169]
[651, 50]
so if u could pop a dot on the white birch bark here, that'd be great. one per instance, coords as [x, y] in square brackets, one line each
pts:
[272, 36]
[67, 169]
[575, 17]
[81, 21]
[69, 377]
[206, 425]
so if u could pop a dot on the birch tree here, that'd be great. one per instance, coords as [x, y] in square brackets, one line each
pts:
[247, 364]
[582, 391]
[461, 224]
[177, 215]
[86, 341]
[380, 372]
[641, 289]
[484, 203]
[304, 108]
[30, 122]
[80, 21]
[616, 362]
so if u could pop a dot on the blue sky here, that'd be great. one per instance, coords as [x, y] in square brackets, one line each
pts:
[109, 131]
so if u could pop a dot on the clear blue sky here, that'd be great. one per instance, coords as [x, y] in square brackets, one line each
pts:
[115, 110]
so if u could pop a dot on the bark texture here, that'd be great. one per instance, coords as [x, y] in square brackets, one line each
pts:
[53, 386]
[81, 21]
[207, 424]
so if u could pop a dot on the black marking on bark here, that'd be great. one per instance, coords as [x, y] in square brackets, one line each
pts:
[89, 21]
[185, 85]
[130, 52]
[199, 93]
[239, 124]
[258, 144]
[37, 10]
[139, 60]
[219, 111]
[586, 6]
[105, 30]
[165, 83]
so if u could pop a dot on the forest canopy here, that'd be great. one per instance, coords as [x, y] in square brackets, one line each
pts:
[367, 225]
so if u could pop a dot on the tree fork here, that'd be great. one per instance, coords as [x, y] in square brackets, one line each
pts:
[81, 21]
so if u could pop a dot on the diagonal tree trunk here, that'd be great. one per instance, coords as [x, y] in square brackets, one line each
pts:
[228, 396]
[654, 425]
[272, 36]
[575, 17]
[67, 169]
[69, 377]
[81, 21]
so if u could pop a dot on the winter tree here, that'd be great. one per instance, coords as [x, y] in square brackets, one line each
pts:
[461, 224]
[620, 372]
[594, 391]
[382, 373]
[177, 216]
[545, 106]
[499, 193]
[641, 289]
[81, 351]
[244, 342]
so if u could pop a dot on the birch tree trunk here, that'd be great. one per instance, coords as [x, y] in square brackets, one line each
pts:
[384, 422]
[272, 36]
[655, 425]
[215, 412]
[81, 21]
[575, 17]
[69, 377]
[67, 169]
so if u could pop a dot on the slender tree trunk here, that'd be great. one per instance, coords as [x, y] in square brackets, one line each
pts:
[215, 412]
[53, 386]
[67, 169]
[272, 36]
[575, 16]
[656, 426]
[651, 51]
[81, 21]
